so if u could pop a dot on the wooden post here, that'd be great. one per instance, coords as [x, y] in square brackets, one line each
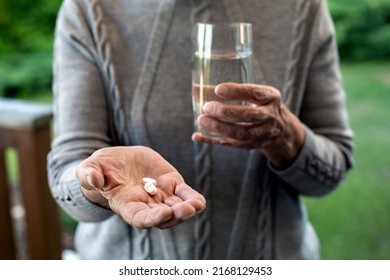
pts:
[25, 127]
[7, 244]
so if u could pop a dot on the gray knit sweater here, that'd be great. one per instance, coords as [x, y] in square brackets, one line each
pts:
[123, 77]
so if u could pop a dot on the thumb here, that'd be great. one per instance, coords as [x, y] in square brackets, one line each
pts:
[90, 177]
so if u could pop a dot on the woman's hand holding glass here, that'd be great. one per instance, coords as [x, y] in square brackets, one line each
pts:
[266, 123]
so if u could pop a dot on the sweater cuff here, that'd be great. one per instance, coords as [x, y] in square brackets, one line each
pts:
[69, 196]
[308, 174]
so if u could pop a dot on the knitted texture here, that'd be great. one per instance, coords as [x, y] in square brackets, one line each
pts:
[202, 231]
[264, 220]
[142, 92]
[104, 51]
[301, 10]
[114, 97]
[264, 217]
[200, 12]
[156, 40]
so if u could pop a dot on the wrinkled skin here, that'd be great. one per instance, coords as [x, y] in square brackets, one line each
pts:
[265, 124]
[112, 177]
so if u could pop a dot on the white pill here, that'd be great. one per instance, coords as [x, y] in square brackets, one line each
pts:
[150, 188]
[149, 180]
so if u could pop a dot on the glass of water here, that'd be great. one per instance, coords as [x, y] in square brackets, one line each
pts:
[222, 53]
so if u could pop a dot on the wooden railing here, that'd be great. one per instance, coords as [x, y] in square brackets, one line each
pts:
[25, 127]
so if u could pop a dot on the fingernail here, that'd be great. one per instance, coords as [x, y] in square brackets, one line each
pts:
[203, 121]
[221, 90]
[89, 181]
[208, 108]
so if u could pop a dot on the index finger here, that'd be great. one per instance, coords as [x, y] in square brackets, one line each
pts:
[90, 175]
[258, 94]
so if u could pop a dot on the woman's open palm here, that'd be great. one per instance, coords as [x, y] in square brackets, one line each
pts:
[117, 173]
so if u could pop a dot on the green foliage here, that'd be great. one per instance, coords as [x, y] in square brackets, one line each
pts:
[26, 39]
[27, 29]
[353, 221]
[27, 26]
[23, 75]
[363, 28]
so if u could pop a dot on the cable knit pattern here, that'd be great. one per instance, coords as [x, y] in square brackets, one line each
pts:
[265, 212]
[264, 226]
[200, 12]
[104, 50]
[203, 169]
[142, 93]
[114, 97]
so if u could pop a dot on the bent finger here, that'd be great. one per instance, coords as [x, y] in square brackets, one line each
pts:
[258, 94]
[90, 175]
[238, 113]
[186, 193]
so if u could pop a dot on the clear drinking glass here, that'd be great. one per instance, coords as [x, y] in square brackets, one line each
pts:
[222, 53]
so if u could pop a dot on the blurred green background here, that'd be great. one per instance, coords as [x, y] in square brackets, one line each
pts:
[352, 222]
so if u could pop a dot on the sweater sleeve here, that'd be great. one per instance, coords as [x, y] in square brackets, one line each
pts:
[80, 111]
[327, 154]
